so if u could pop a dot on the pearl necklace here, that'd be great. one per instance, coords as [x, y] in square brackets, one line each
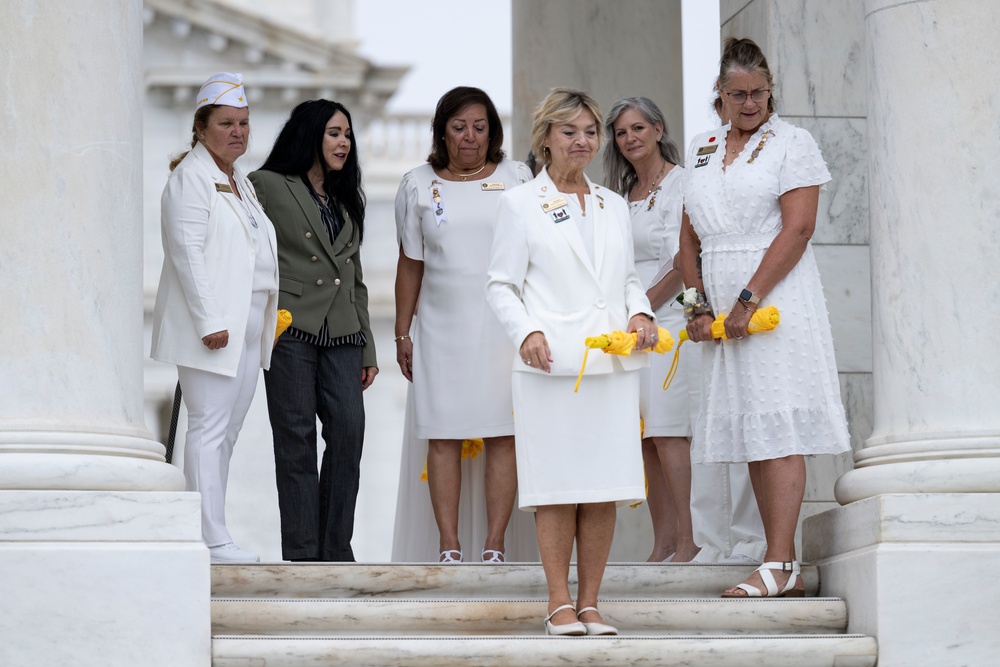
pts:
[465, 177]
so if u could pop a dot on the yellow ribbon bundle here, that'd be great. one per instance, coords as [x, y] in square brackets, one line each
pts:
[284, 321]
[763, 319]
[622, 344]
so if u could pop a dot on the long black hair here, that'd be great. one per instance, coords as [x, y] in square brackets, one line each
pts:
[300, 144]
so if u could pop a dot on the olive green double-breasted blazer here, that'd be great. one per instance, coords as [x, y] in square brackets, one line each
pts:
[318, 280]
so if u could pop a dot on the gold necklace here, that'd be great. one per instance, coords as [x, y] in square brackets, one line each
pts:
[656, 179]
[465, 177]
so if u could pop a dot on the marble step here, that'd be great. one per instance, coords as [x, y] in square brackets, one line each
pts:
[541, 651]
[472, 580]
[661, 616]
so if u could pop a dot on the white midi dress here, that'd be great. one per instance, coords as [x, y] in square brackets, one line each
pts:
[461, 357]
[656, 226]
[777, 393]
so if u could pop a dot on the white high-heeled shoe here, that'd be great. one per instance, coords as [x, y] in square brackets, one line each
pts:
[447, 557]
[596, 628]
[566, 629]
[493, 556]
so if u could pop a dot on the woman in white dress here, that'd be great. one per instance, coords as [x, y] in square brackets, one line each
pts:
[561, 269]
[449, 343]
[641, 164]
[750, 196]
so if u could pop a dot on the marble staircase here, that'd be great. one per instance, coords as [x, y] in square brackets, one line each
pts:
[471, 615]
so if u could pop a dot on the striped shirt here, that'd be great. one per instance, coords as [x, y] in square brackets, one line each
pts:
[333, 222]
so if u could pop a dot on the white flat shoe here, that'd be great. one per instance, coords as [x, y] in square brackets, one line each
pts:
[789, 590]
[230, 553]
[566, 629]
[450, 556]
[493, 556]
[597, 628]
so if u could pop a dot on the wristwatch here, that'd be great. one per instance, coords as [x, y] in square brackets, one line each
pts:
[746, 296]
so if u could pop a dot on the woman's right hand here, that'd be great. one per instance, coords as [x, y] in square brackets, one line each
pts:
[217, 340]
[700, 328]
[404, 356]
[535, 351]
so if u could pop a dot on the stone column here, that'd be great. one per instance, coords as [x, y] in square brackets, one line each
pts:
[934, 165]
[101, 561]
[916, 548]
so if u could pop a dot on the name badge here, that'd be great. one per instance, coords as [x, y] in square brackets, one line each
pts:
[491, 187]
[705, 150]
[552, 204]
[702, 161]
[222, 187]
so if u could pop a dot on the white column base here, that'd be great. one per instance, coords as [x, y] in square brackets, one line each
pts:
[90, 578]
[920, 572]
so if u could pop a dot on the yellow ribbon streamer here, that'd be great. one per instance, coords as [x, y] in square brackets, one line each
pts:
[622, 344]
[284, 321]
[763, 319]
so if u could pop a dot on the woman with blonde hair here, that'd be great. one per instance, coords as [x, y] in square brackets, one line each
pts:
[561, 269]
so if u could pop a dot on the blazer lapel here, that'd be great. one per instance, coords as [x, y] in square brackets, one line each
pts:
[546, 191]
[305, 201]
[601, 226]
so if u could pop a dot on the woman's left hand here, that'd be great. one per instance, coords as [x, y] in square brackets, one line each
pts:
[368, 374]
[738, 319]
[645, 329]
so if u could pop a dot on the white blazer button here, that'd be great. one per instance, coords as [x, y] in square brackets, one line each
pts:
[336, 281]
[319, 282]
[350, 243]
[313, 258]
[348, 260]
[309, 235]
[600, 303]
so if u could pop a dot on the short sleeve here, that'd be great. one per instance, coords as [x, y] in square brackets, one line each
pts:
[409, 232]
[803, 165]
[523, 173]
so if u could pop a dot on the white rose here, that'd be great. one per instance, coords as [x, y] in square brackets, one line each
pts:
[690, 296]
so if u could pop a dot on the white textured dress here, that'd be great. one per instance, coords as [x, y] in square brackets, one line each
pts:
[777, 393]
[461, 356]
[656, 226]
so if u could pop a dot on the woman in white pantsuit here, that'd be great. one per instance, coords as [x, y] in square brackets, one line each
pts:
[561, 269]
[216, 306]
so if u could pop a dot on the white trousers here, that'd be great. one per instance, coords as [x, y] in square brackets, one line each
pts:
[217, 406]
[724, 512]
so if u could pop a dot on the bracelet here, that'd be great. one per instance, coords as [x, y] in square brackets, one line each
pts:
[700, 306]
[399, 338]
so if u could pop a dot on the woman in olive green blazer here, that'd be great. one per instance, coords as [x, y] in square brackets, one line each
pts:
[310, 187]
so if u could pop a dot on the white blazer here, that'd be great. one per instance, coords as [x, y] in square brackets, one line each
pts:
[208, 267]
[541, 278]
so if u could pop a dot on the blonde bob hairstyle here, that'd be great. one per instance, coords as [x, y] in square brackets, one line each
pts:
[561, 105]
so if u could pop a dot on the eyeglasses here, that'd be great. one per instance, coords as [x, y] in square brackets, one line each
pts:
[758, 96]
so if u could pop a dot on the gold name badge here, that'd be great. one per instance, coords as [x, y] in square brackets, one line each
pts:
[708, 150]
[553, 204]
[490, 187]
[222, 187]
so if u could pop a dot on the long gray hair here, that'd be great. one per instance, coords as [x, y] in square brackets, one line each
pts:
[619, 173]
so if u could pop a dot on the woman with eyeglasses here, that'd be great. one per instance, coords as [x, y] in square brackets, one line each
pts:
[751, 194]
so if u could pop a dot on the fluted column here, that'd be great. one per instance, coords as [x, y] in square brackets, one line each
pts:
[934, 166]
[71, 398]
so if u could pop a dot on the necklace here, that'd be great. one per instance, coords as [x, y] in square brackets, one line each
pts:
[465, 177]
[656, 179]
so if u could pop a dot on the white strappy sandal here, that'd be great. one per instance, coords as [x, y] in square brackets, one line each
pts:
[788, 591]
[447, 557]
[493, 556]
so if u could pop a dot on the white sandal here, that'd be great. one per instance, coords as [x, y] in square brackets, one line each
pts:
[493, 557]
[788, 591]
[446, 556]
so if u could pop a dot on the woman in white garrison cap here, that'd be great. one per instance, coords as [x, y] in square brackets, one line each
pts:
[216, 306]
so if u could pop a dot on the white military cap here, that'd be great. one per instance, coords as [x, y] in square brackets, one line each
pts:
[223, 88]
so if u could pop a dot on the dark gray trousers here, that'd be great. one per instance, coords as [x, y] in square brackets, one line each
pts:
[317, 508]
